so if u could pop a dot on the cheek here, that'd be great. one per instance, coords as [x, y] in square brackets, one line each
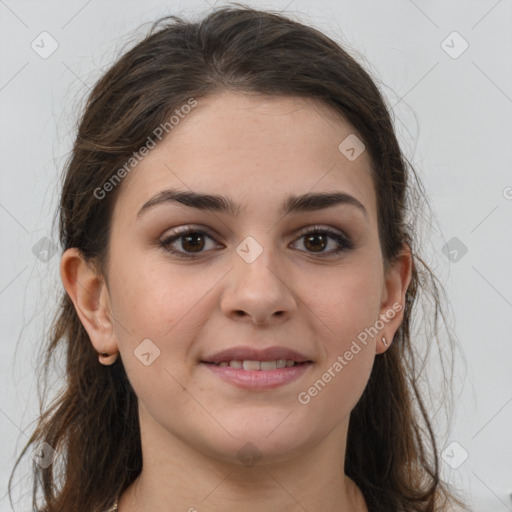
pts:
[158, 314]
[348, 347]
[153, 299]
[345, 308]
[346, 302]
[169, 308]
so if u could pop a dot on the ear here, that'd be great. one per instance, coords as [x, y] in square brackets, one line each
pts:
[397, 280]
[89, 293]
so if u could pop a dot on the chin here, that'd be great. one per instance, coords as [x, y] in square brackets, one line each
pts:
[261, 442]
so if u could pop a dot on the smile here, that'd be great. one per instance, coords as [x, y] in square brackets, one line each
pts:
[259, 375]
[258, 365]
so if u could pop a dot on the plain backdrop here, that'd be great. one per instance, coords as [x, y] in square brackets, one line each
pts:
[444, 67]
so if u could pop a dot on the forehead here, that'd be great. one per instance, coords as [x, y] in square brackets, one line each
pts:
[255, 149]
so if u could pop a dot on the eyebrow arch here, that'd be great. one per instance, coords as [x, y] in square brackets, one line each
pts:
[292, 204]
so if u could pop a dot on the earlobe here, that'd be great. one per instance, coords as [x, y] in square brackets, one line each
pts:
[87, 289]
[397, 280]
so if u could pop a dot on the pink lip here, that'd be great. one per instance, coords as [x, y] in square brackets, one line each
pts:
[259, 379]
[252, 354]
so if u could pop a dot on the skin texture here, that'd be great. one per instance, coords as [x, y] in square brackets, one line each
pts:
[256, 150]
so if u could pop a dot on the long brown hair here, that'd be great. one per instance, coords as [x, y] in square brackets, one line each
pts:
[392, 453]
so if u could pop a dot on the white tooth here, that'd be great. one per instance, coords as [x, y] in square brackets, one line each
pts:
[223, 363]
[280, 363]
[252, 365]
[290, 362]
[235, 364]
[268, 365]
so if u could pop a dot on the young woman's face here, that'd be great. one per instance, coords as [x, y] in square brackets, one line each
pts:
[266, 275]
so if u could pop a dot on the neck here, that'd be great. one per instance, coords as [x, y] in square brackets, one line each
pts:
[182, 478]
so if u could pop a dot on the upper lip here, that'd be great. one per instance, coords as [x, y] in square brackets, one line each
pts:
[253, 354]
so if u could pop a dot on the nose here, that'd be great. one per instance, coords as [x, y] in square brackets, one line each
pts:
[258, 292]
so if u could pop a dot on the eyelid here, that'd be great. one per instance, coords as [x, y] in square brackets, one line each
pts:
[320, 227]
[212, 233]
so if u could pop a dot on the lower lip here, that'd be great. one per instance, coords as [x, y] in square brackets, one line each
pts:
[259, 379]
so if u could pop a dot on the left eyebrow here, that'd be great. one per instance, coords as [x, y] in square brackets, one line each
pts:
[218, 203]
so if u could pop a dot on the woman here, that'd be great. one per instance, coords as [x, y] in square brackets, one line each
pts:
[239, 277]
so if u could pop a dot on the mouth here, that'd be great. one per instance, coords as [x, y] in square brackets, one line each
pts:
[259, 375]
[250, 358]
[258, 369]
[255, 365]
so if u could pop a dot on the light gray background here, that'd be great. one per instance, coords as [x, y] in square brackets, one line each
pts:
[454, 120]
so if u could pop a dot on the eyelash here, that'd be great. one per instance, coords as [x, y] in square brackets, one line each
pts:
[345, 244]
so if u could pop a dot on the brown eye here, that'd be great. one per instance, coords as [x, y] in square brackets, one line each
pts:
[192, 243]
[318, 239]
[316, 242]
[187, 243]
